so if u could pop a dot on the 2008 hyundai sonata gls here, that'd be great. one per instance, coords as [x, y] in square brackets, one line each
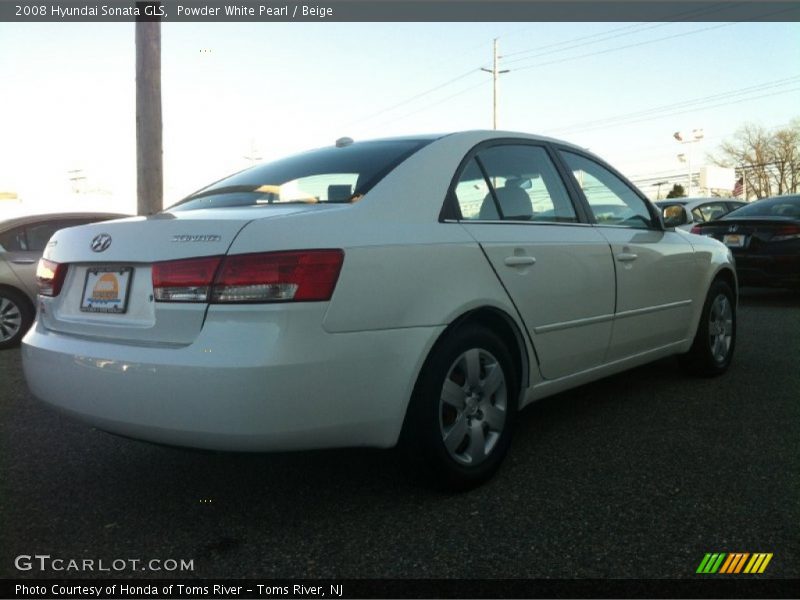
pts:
[416, 290]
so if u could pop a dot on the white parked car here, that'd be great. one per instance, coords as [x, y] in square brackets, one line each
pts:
[685, 213]
[417, 290]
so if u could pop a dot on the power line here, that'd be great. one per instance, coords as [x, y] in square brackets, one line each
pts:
[718, 105]
[617, 48]
[421, 94]
[429, 106]
[617, 119]
[646, 42]
[607, 35]
[557, 50]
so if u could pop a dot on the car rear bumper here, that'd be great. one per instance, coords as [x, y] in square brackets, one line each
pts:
[247, 383]
[768, 270]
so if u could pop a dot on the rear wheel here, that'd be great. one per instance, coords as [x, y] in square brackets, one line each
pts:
[16, 316]
[713, 346]
[460, 420]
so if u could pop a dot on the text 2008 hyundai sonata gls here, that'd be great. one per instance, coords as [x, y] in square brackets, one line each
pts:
[417, 290]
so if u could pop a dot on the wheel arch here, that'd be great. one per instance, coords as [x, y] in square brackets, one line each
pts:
[504, 325]
[728, 276]
[22, 293]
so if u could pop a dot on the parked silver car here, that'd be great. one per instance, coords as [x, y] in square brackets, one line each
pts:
[22, 241]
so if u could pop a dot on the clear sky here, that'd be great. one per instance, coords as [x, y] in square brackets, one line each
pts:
[268, 89]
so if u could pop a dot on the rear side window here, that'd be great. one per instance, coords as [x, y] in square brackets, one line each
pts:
[13, 240]
[514, 182]
[786, 206]
[328, 175]
[40, 233]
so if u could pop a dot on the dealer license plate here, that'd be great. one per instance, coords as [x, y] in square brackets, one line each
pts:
[734, 240]
[106, 289]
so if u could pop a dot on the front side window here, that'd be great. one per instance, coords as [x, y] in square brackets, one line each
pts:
[611, 200]
[333, 174]
[513, 182]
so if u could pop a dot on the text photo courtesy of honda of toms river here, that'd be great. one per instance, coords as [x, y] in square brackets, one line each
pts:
[415, 291]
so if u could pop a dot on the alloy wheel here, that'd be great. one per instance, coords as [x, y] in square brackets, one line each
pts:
[10, 319]
[720, 327]
[473, 406]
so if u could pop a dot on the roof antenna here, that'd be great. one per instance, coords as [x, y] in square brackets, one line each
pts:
[344, 141]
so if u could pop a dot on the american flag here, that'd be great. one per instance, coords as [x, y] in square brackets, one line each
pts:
[739, 187]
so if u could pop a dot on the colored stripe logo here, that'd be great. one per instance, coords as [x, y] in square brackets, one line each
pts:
[734, 563]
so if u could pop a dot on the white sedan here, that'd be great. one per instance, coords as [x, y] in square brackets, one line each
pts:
[414, 290]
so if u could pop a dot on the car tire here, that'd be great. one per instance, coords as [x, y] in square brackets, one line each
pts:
[16, 316]
[461, 416]
[712, 350]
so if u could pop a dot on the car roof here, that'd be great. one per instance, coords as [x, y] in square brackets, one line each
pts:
[479, 135]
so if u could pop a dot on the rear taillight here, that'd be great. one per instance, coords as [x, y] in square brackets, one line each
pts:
[299, 276]
[50, 277]
[787, 232]
[697, 230]
[186, 280]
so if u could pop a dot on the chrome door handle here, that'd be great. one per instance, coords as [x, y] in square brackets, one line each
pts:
[627, 256]
[519, 261]
[24, 261]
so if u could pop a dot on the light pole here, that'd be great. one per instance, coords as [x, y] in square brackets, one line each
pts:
[688, 138]
[658, 191]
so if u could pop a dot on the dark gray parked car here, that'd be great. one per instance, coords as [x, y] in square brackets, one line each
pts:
[22, 241]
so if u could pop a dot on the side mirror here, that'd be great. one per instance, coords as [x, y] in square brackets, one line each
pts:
[674, 216]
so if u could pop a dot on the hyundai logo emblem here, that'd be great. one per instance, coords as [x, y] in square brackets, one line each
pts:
[733, 228]
[100, 242]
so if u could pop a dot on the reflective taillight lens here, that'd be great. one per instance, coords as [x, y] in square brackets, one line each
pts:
[787, 232]
[299, 276]
[50, 277]
[187, 280]
[696, 229]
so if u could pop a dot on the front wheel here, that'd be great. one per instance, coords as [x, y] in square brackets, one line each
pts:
[713, 346]
[461, 416]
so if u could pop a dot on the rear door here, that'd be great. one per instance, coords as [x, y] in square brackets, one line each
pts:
[656, 271]
[557, 270]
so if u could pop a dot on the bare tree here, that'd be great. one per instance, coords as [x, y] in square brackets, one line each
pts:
[768, 161]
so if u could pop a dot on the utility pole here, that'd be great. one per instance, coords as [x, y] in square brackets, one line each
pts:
[149, 150]
[495, 73]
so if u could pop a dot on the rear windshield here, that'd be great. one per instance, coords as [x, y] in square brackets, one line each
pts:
[782, 206]
[333, 174]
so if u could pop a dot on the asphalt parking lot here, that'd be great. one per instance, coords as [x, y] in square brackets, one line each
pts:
[638, 475]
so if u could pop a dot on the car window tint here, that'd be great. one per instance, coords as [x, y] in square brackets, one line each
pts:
[523, 186]
[780, 206]
[13, 240]
[334, 174]
[471, 190]
[39, 234]
[612, 201]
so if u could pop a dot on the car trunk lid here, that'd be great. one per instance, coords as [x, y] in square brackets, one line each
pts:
[108, 288]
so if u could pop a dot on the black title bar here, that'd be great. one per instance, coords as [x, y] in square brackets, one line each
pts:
[701, 587]
[399, 10]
